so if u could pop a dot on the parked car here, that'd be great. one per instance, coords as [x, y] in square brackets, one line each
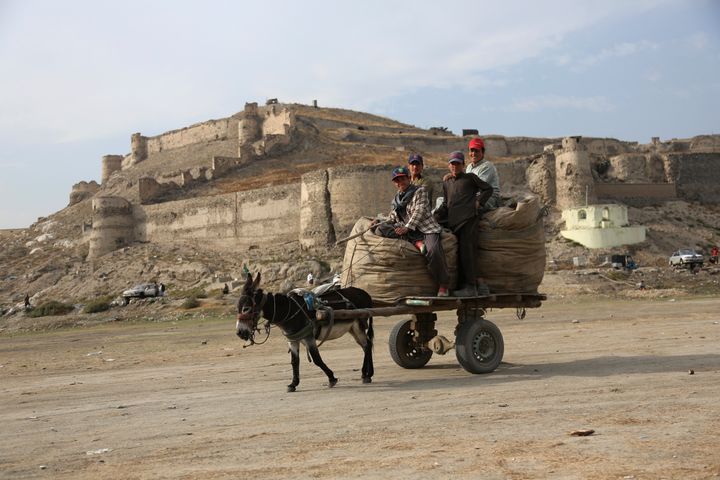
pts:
[142, 290]
[686, 256]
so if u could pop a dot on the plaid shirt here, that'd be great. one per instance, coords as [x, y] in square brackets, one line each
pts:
[418, 214]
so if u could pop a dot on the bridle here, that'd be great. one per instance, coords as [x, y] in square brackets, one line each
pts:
[252, 313]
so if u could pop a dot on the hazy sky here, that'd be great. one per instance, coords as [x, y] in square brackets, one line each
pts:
[77, 78]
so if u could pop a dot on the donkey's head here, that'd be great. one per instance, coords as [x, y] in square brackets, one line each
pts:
[249, 308]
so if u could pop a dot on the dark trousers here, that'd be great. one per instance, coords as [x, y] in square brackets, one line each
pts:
[467, 243]
[437, 264]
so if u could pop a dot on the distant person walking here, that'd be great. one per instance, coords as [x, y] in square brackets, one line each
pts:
[714, 255]
[310, 279]
[27, 301]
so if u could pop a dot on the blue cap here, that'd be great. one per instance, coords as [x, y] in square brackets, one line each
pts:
[400, 172]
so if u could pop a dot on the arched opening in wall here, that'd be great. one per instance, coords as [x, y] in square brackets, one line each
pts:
[606, 214]
[582, 215]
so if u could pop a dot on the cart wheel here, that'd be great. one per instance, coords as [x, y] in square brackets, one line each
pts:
[479, 346]
[403, 350]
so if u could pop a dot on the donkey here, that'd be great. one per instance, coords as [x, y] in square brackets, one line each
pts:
[291, 313]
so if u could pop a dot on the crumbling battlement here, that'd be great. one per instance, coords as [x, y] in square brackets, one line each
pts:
[82, 191]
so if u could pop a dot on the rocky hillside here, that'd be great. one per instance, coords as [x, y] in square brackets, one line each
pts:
[49, 259]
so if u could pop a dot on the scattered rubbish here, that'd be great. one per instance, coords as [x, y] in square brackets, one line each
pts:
[582, 432]
[204, 342]
[99, 352]
[576, 321]
[109, 359]
[99, 451]
[691, 372]
[502, 405]
[43, 467]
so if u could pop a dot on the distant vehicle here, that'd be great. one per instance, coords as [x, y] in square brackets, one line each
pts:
[686, 256]
[623, 261]
[142, 290]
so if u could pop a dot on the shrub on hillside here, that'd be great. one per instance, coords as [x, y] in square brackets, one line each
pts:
[190, 302]
[197, 292]
[51, 307]
[98, 305]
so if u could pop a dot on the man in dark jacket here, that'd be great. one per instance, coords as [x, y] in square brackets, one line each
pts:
[464, 196]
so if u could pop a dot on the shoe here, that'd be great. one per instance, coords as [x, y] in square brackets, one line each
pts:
[466, 291]
[443, 292]
[482, 290]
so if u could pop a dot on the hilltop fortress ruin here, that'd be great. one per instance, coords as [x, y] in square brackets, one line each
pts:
[296, 173]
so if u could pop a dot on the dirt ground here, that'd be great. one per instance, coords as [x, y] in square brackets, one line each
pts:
[183, 399]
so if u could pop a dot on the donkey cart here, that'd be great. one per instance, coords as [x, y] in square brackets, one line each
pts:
[479, 345]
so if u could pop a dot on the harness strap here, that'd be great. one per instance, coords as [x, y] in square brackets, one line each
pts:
[306, 331]
[331, 321]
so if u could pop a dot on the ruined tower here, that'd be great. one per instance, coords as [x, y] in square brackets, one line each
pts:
[138, 148]
[113, 225]
[110, 165]
[316, 228]
[573, 176]
[249, 131]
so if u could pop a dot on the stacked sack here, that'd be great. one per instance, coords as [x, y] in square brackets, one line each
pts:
[511, 247]
[390, 268]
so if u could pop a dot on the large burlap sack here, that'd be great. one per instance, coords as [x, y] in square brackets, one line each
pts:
[511, 248]
[390, 268]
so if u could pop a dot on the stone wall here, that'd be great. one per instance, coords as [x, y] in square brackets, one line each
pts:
[256, 217]
[697, 176]
[205, 132]
[652, 192]
[277, 122]
[358, 191]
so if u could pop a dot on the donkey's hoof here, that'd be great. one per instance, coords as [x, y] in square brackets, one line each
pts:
[332, 382]
[291, 388]
[367, 380]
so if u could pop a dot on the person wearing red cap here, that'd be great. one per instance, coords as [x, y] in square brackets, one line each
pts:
[416, 166]
[485, 171]
[410, 219]
[464, 195]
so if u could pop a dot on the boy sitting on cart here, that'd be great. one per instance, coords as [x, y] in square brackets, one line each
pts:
[410, 219]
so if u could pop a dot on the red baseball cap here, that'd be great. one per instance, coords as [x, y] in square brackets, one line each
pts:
[477, 144]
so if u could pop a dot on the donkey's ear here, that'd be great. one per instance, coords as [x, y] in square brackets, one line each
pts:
[256, 283]
[248, 282]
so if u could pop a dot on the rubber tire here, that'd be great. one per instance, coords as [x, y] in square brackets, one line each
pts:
[402, 350]
[474, 335]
